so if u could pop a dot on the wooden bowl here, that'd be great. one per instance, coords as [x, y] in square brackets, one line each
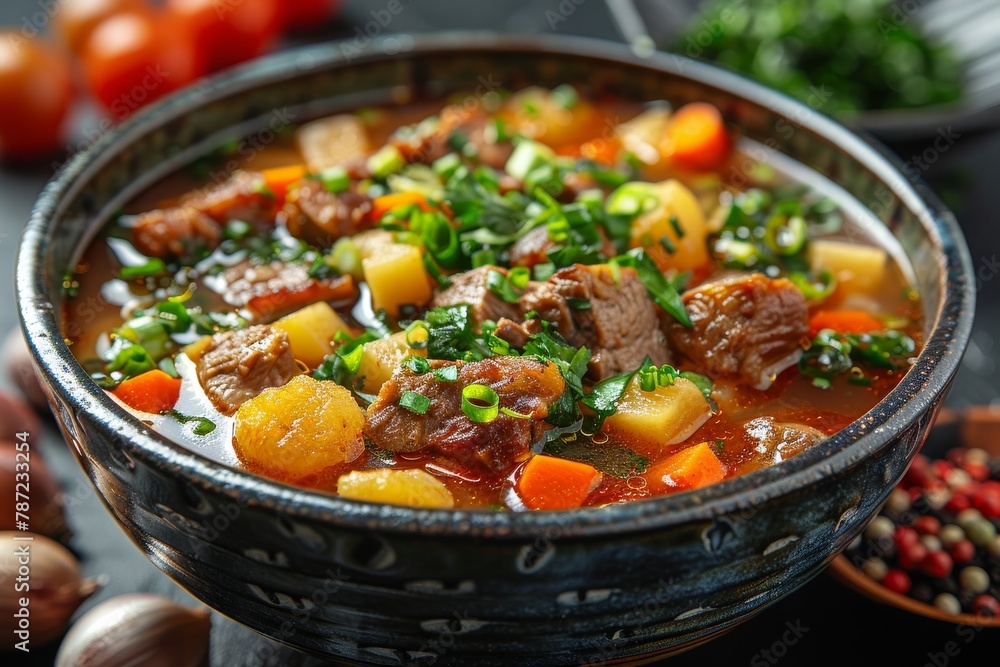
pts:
[977, 426]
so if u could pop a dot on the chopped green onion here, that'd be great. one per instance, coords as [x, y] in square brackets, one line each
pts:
[203, 425]
[543, 271]
[334, 179]
[565, 96]
[387, 160]
[416, 365]
[262, 188]
[594, 196]
[515, 414]
[414, 402]
[483, 258]
[447, 165]
[435, 271]
[417, 334]
[579, 304]
[499, 284]
[676, 224]
[446, 373]
[480, 403]
[345, 257]
[785, 235]
[667, 245]
[527, 156]
[237, 229]
[519, 276]
[814, 288]
[632, 199]
[130, 360]
[154, 267]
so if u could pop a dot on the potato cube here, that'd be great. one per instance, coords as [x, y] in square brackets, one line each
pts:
[683, 247]
[332, 141]
[412, 488]
[858, 268]
[310, 332]
[665, 416]
[380, 358]
[396, 277]
[296, 431]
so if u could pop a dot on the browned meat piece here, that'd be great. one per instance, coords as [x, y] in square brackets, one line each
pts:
[321, 217]
[746, 328]
[269, 291]
[533, 247]
[196, 222]
[526, 385]
[428, 141]
[574, 184]
[517, 334]
[618, 322]
[243, 196]
[470, 288]
[179, 231]
[238, 365]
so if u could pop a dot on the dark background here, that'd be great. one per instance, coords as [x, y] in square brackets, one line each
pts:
[836, 625]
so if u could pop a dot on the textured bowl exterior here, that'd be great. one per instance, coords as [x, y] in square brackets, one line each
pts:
[389, 585]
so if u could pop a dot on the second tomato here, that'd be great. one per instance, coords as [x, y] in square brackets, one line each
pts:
[230, 31]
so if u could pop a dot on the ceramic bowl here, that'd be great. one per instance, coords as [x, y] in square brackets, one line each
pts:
[387, 585]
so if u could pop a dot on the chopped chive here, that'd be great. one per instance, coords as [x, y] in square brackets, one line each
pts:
[415, 364]
[480, 403]
[417, 334]
[676, 224]
[515, 414]
[334, 179]
[565, 96]
[667, 245]
[387, 160]
[154, 267]
[519, 276]
[446, 373]
[202, 425]
[414, 402]
[579, 304]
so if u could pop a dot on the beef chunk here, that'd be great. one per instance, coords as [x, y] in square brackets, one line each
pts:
[321, 217]
[268, 291]
[179, 231]
[533, 248]
[429, 140]
[746, 328]
[526, 385]
[238, 365]
[196, 222]
[616, 320]
[517, 334]
[470, 288]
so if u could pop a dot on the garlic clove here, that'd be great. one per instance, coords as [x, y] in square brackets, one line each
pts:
[38, 484]
[45, 574]
[139, 629]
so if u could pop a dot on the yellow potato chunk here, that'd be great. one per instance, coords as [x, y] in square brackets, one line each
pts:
[858, 268]
[664, 416]
[412, 488]
[372, 241]
[690, 247]
[380, 358]
[538, 114]
[396, 277]
[331, 141]
[296, 431]
[642, 135]
[310, 332]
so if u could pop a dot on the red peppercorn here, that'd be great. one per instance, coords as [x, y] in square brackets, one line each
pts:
[911, 555]
[941, 468]
[927, 525]
[986, 499]
[904, 535]
[956, 455]
[937, 564]
[977, 471]
[897, 580]
[957, 503]
[986, 605]
[963, 551]
[915, 492]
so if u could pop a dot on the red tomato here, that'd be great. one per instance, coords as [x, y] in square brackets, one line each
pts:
[36, 93]
[230, 31]
[74, 20]
[309, 14]
[134, 58]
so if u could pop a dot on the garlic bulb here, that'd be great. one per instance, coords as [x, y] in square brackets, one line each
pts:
[41, 587]
[137, 630]
[27, 474]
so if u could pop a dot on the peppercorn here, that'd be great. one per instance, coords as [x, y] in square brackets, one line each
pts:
[912, 555]
[927, 525]
[974, 579]
[987, 605]
[963, 551]
[937, 564]
[948, 603]
[897, 580]
[950, 534]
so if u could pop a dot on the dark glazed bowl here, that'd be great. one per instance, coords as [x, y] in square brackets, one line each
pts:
[385, 585]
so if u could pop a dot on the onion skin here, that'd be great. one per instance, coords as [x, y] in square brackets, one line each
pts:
[138, 629]
[45, 499]
[56, 587]
[21, 370]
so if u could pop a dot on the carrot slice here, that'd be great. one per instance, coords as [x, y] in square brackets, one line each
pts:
[385, 203]
[279, 178]
[697, 136]
[153, 391]
[550, 483]
[690, 468]
[844, 321]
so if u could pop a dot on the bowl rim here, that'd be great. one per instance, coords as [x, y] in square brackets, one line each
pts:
[915, 394]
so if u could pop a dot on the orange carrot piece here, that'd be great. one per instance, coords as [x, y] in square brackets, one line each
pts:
[697, 136]
[550, 483]
[385, 203]
[844, 321]
[690, 468]
[279, 178]
[153, 391]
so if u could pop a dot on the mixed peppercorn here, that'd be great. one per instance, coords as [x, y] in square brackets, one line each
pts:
[935, 538]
